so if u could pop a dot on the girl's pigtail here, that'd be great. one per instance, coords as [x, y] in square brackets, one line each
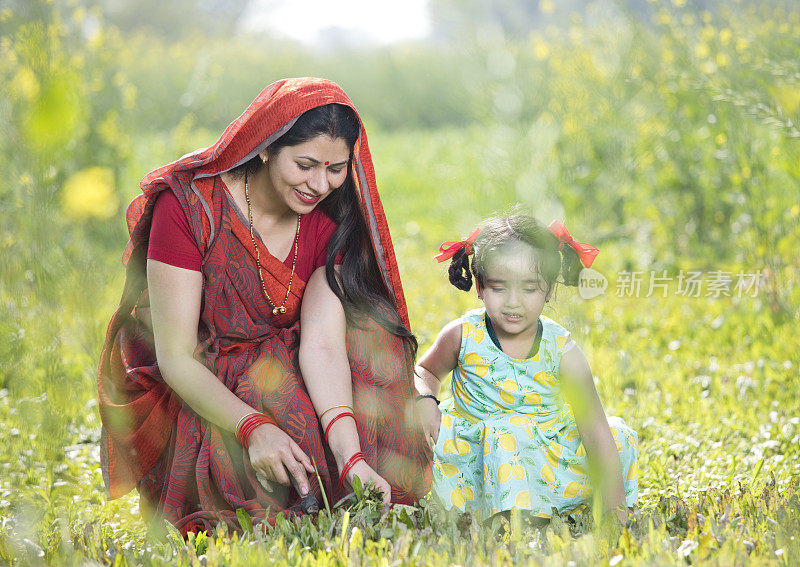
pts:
[459, 271]
[571, 266]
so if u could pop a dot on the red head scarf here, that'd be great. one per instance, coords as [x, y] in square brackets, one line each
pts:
[267, 118]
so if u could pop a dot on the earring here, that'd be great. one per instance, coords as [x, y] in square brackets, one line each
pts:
[263, 160]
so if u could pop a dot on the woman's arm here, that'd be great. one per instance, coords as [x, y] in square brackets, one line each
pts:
[175, 298]
[326, 373]
[437, 361]
[605, 468]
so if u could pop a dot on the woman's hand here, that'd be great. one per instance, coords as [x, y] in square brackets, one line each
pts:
[368, 476]
[431, 418]
[275, 456]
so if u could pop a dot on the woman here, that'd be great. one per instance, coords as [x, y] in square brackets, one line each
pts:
[212, 399]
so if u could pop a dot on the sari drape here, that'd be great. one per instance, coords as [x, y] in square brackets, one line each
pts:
[187, 470]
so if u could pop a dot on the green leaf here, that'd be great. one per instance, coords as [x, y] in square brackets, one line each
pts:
[244, 520]
[358, 488]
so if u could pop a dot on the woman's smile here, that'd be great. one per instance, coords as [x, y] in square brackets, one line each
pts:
[307, 198]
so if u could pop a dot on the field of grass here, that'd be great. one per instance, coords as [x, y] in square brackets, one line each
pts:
[668, 139]
[706, 381]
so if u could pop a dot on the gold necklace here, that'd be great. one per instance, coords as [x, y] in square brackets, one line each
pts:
[275, 308]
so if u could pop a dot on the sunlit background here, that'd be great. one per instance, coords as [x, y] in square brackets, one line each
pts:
[663, 131]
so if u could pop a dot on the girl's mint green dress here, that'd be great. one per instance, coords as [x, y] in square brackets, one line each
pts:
[507, 439]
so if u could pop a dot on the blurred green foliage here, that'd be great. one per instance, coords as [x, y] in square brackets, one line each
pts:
[663, 131]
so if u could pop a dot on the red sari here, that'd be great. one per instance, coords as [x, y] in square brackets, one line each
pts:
[186, 469]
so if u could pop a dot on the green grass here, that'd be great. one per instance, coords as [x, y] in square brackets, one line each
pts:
[668, 141]
[707, 383]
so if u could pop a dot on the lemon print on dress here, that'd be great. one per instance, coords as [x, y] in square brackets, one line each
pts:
[460, 495]
[547, 474]
[576, 488]
[507, 442]
[481, 370]
[518, 420]
[533, 399]
[552, 452]
[467, 328]
[478, 335]
[460, 391]
[580, 451]
[523, 499]
[507, 470]
[549, 424]
[472, 358]
[633, 471]
[572, 435]
[446, 468]
[508, 385]
[455, 446]
[576, 469]
[447, 421]
[561, 341]
[541, 377]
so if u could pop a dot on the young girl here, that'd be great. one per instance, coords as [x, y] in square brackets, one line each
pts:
[524, 427]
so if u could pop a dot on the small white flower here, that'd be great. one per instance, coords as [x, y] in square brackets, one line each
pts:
[614, 560]
[686, 547]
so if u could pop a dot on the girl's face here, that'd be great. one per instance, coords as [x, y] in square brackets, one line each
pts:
[514, 292]
[303, 175]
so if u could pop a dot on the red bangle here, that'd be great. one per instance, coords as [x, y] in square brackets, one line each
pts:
[349, 465]
[341, 415]
[249, 424]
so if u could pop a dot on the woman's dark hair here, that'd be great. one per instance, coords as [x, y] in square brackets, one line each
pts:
[360, 286]
[516, 227]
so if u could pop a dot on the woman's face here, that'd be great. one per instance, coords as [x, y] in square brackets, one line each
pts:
[303, 175]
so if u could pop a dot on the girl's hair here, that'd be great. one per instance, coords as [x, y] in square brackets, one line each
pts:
[517, 227]
[360, 287]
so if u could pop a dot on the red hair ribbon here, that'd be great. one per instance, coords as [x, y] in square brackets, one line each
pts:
[448, 249]
[586, 252]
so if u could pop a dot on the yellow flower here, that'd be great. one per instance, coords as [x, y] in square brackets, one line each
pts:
[701, 51]
[547, 6]
[90, 193]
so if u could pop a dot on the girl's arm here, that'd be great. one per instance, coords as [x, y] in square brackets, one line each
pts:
[326, 373]
[437, 361]
[175, 297]
[601, 451]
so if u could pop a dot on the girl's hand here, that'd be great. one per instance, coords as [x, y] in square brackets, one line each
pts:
[431, 418]
[275, 456]
[367, 475]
